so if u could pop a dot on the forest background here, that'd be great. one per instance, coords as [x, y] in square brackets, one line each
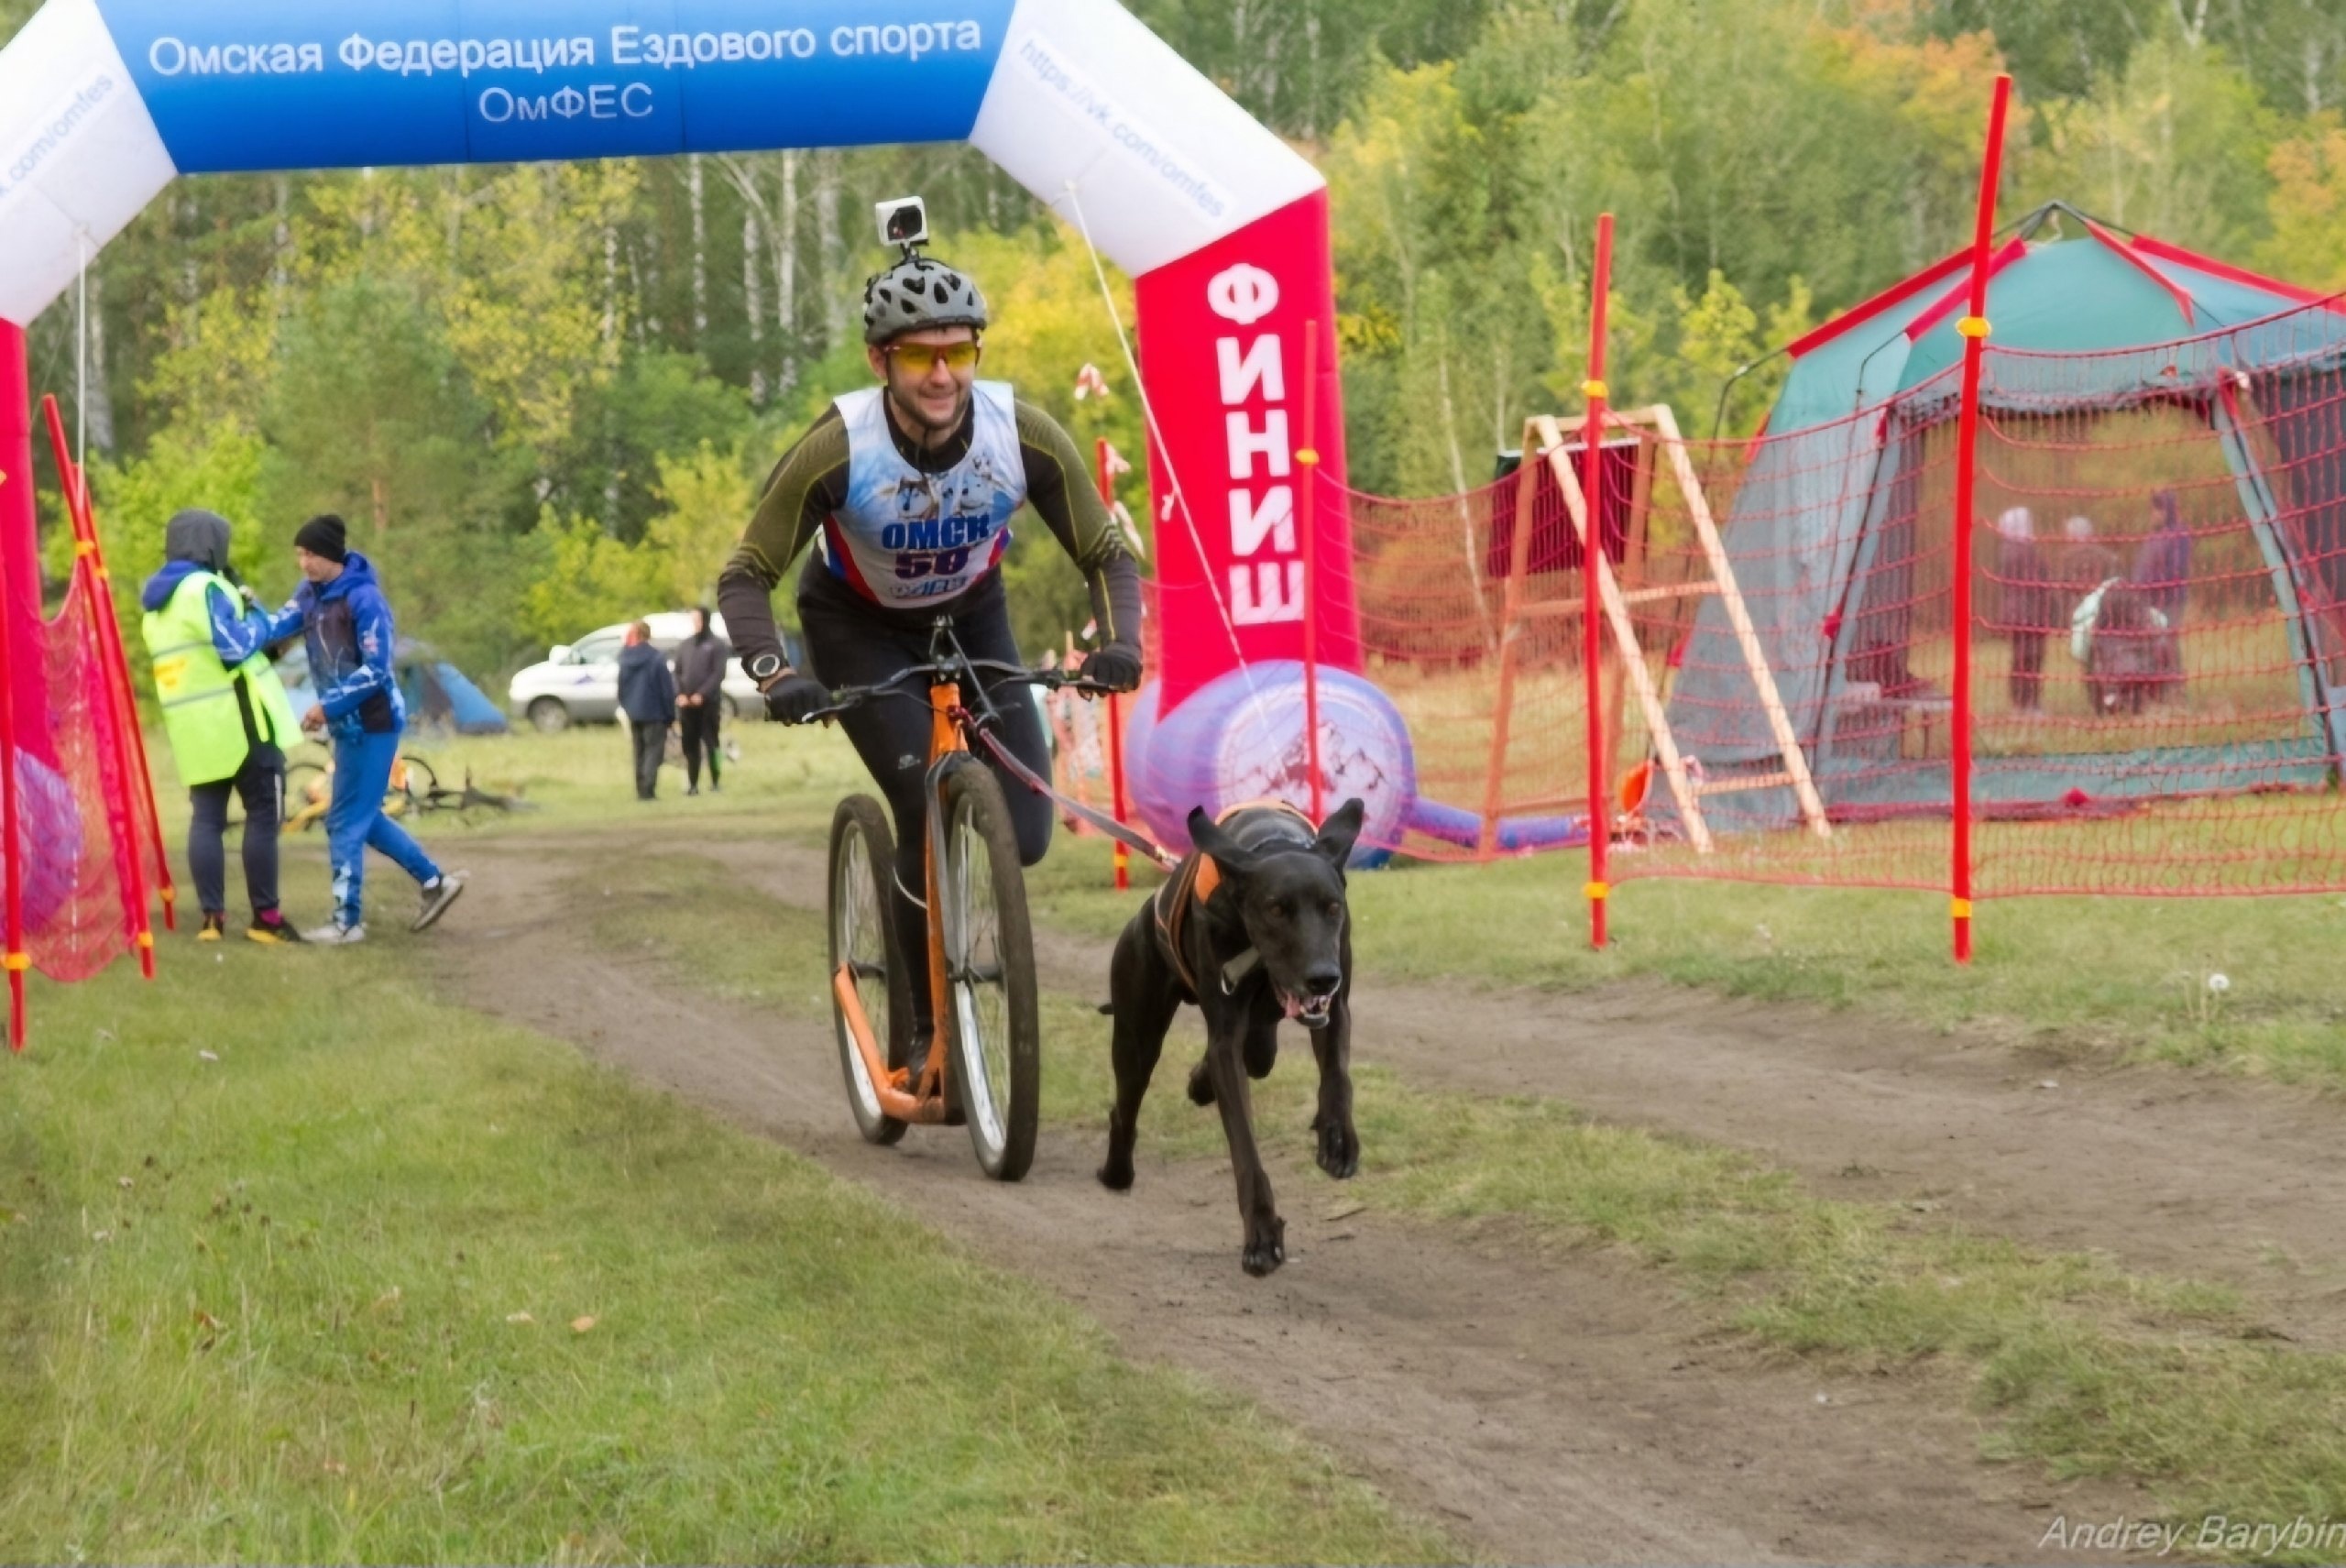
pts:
[547, 397]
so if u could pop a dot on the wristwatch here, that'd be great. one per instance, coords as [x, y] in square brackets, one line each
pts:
[764, 667]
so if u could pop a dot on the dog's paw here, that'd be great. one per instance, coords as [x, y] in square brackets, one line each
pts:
[1116, 1176]
[1266, 1246]
[1200, 1085]
[1339, 1149]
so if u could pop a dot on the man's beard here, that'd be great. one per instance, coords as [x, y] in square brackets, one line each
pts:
[917, 419]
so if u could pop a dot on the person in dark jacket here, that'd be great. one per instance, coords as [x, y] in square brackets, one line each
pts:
[699, 665]
[226, 713]
[347, 625]
[648, 697]
[2162, 564]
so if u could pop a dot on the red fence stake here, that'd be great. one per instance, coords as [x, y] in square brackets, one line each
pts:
[119, 725]
[1592, 555]
[127, 699]
[1309, 459]
[1974, 328]
[1116, 788]
[16, 510]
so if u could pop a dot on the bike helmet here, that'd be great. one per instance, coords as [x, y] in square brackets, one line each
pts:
[916, 294]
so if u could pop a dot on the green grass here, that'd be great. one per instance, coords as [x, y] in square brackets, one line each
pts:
[2081, 1368]
[2084, 1369]
[326, 1298]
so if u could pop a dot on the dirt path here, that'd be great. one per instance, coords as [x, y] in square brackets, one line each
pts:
[2169, 1171]
[1550, 1407]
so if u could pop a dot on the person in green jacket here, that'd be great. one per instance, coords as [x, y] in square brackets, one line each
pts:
[226, 715]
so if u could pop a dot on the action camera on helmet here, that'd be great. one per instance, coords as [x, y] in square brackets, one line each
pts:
[903, 222]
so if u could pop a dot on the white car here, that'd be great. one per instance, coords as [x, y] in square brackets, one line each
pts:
[579, 683]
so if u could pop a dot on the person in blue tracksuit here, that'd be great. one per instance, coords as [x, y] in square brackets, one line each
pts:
[346, 626]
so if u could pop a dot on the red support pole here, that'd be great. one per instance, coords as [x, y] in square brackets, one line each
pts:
[1974, 328]
[1116, 787]
[1308, 457]
[1591, 435]
[17, 523]
[119, 720]
[1123, 856]
[126, 701]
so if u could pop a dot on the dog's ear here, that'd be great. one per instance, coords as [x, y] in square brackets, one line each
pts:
[1336, 834]
[1208, 836]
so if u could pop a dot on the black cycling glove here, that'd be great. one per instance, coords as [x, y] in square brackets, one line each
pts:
[1115, 667]
[793, 698]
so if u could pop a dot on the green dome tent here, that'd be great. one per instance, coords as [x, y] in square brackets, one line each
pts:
[2125, 378]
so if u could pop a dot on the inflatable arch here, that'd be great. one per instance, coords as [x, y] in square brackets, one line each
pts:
[1222, 225]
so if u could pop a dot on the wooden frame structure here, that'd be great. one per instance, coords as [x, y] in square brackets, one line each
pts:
[1657, 430]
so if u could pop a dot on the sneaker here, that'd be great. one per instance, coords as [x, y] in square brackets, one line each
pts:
[438, 894]
[333, 936]
[215, 927]
[271, 932]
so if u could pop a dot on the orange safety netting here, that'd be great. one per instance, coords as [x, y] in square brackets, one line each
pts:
[76, 809]
[2158, 645]
[82, 896]
[2159, 638]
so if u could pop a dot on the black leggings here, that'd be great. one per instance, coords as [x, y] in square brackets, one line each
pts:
[260, 783]
[699, 727]
[849, 643]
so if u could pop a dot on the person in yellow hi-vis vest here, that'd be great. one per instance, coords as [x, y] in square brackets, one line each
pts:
[226, 714]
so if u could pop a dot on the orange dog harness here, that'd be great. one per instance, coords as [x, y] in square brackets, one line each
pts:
[1190, 887]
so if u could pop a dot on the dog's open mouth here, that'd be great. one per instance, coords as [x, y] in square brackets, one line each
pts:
[1311, 1010]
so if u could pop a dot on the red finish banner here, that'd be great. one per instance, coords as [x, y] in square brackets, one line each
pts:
[1222, 348]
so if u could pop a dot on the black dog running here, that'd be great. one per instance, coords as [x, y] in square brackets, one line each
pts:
[1252, 930]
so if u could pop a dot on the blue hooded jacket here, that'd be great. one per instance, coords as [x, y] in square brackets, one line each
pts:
[346, 627]
[647, 689]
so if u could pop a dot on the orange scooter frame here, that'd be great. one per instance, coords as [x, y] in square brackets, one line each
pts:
[925, 1103]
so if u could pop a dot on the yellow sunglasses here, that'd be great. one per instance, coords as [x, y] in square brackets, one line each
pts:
[923, 358]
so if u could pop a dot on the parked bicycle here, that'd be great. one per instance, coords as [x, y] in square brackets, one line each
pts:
[415, 788]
